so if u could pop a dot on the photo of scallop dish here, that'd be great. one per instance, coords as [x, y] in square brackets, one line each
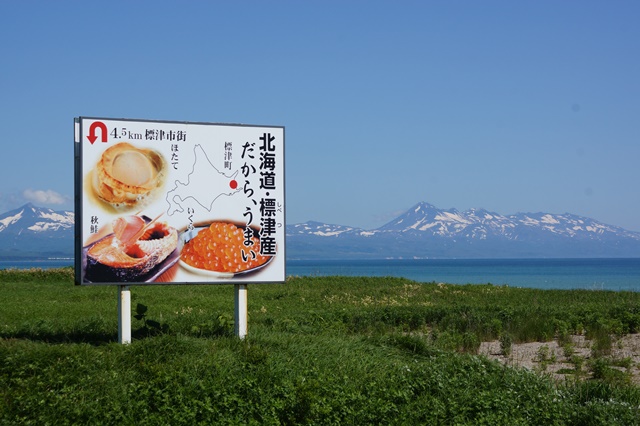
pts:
[138, 250]
[222, 249]
[127, 177]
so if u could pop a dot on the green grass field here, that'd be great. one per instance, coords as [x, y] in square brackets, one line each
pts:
[320, 350]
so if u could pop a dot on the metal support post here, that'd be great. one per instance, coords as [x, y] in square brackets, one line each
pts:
[241, 310]
[124, 314]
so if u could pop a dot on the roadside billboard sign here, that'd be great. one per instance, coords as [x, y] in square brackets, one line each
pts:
[168, 202]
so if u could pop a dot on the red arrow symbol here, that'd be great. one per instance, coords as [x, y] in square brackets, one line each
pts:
[92, 131]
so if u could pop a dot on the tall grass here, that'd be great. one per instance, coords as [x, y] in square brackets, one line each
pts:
[320, 350]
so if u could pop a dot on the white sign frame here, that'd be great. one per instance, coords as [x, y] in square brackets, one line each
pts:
[226, 174]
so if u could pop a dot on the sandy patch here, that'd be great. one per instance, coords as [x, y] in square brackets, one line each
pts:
[550, 358]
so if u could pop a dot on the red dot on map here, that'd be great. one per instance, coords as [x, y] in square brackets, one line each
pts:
[233, 184]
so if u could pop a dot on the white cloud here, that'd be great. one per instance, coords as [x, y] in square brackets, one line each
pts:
[44, 197]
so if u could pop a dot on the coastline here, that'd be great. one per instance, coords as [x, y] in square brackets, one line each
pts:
[615, 274]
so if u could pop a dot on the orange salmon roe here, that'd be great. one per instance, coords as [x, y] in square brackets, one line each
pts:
[220, 248]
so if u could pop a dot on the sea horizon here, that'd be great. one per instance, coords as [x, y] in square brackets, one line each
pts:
[616, 274]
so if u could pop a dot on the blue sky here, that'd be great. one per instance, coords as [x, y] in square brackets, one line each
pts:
[502, 105]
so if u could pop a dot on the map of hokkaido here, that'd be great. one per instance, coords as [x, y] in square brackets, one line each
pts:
[217, 184]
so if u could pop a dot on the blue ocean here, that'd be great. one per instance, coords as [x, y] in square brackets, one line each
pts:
[594, 274]
[28, 264]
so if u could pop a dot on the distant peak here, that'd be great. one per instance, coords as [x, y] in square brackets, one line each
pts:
[423, 204]
[479, 211]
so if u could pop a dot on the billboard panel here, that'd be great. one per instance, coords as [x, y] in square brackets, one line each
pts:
[178, 202]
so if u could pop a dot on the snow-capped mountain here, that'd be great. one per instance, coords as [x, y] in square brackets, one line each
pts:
[427, 231]
[424, 231]
[317, 228]
[31, 231]
[482, 224]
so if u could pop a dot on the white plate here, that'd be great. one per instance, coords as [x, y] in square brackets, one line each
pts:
[189, 234]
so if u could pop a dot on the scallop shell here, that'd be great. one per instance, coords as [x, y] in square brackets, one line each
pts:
[125, 174]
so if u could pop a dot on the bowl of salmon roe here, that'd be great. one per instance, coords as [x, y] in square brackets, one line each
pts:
[222, 249]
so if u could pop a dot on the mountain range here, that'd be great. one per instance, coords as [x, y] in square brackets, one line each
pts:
[31, 232]
[423, 231]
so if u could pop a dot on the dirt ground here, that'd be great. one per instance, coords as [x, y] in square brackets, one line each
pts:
[550, 358]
